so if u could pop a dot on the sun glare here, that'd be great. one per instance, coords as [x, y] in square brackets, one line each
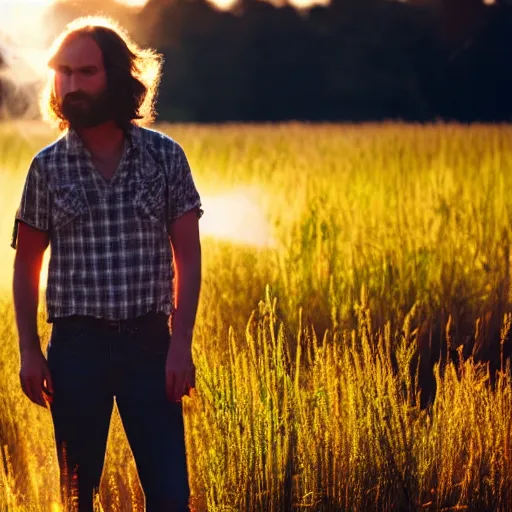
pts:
[23, 38]
[133, 3]
[26, 2]
[235, 216]
[223, 5]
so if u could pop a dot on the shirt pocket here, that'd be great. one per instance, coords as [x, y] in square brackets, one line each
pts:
[68, 204]
[150, 198]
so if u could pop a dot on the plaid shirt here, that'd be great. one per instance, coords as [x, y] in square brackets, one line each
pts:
[110, 251]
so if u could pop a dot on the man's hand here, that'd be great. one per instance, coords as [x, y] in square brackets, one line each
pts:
[35, 377]
[180, 373]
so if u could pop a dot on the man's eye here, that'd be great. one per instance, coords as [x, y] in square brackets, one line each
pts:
[88, 72]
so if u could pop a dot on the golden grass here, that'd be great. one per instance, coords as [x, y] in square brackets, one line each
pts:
[303, 349]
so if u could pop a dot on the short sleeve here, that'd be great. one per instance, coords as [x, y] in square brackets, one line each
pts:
[35, 202]
[183, 195]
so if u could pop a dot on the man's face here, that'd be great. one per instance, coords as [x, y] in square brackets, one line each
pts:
[81, 83]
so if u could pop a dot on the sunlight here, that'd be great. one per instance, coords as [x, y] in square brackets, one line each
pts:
[56, 507]
[26, 2]
[23, 38]
[133, 3]
[43, 278]
[11, 187]
[304, 4]
[223, 5]
[236, 216]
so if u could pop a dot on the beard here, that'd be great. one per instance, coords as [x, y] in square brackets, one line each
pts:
[83, 110]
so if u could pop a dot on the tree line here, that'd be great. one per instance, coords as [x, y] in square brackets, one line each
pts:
[354, 60]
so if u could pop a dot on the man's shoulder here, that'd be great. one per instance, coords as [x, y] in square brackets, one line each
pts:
[52, 152]
[158, 141]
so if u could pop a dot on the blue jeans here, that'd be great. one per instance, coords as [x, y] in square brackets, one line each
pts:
[90, 363]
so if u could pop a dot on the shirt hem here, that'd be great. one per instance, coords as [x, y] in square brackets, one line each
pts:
[163, 308]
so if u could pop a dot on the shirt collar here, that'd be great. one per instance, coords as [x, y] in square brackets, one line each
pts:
[75, 145]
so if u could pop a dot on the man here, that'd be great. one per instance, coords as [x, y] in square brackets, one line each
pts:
[108, 197]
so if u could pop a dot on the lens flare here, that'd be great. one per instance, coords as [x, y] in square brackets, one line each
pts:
[235, 216]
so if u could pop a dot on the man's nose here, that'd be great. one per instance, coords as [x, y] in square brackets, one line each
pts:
[73, 83]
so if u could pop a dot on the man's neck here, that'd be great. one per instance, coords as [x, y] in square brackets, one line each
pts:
[103, 140]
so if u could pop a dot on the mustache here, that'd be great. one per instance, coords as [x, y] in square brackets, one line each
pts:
[76, 96]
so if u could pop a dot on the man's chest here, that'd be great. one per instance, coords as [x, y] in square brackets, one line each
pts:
[132, 199]
[106, 168]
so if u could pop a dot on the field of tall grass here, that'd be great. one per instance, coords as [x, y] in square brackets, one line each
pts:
[356, 240]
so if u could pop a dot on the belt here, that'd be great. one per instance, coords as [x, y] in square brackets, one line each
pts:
[128, 324]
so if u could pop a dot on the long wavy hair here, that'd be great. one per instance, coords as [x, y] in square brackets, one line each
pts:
[133, 73]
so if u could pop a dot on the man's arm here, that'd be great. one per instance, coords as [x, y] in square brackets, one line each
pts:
[31, 245]
[184, 236]
[187, 259]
